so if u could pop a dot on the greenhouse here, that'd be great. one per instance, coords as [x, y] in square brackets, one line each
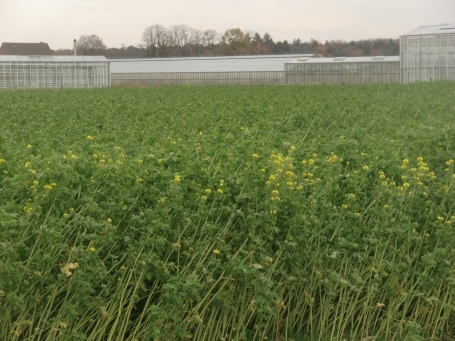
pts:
[54, 72]
[343, 70]
[428, 53]
[232, 70]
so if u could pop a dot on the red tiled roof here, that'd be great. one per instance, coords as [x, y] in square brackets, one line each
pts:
[25, 49]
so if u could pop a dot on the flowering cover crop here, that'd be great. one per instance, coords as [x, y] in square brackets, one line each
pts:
[228, 213]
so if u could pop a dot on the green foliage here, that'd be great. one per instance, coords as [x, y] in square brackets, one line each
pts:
[243, 213]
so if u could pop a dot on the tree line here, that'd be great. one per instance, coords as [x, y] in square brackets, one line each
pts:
[185, 41]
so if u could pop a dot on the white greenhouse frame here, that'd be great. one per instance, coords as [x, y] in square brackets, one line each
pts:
[428, 53]
[343, 70]
[54, 72]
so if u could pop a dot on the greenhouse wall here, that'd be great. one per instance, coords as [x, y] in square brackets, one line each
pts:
[428, 53]
[198, 78]
[54, 72]
[225, 70]
[343, 70]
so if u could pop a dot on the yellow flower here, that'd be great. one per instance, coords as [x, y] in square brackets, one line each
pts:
[29, 146]
[221, 182]
[219, 191]
[71, 210]
[140, 162]
[48, 187]
[365, 168]
[160, 160]
[448, 163]
[289, 174]
[92, 249]
[352, 195]
[123, 268]
[139, 180]
[380, 305]
[439, 218]
[53, 184]
[89, 137]
[273, 212]
[28, 164]
[292, 148]
[65, 215]
[70, 266]
[216, 251]
[177, 178]
[74, 157]
[161, 200]
[357, 214]
[109, 220]
[344, 206]
[203, 198]
[36, 182]
[255, 155]
[1, 161]
[426, 235]
[208, 190]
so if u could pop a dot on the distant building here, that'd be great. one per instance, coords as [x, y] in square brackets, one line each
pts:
[54, 72]
[25, 49]
[343, 70]
[428, 54]
[222, 70]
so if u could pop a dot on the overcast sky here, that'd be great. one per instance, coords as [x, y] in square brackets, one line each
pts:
[58, 22]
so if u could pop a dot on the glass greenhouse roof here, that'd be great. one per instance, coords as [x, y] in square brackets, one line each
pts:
[347, 60]
[204, 64]
[53, 59]
[432, 30]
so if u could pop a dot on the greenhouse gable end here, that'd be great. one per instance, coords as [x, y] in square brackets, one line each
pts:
[428, 53]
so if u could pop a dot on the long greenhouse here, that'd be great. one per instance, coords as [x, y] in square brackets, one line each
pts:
[343, 70]
[54, 72]
[428, 53]
[230, 70]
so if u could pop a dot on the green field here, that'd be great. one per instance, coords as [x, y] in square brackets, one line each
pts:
[228, 213]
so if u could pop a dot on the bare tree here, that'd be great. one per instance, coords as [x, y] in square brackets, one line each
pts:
[156, 39]
[90, 45]
[210, 37]
[178, 40]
